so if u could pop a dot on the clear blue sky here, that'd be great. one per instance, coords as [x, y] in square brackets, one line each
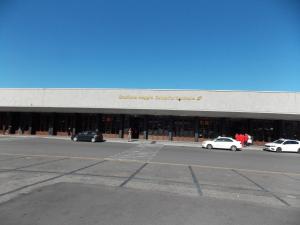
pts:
[201, 44]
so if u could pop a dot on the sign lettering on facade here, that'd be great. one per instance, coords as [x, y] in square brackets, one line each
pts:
[160, 97]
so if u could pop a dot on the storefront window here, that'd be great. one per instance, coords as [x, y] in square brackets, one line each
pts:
[158, 126]
[43, 121]
[184, 127]
[111, 124]
[264, 130]
[291, 129]
[207, 128]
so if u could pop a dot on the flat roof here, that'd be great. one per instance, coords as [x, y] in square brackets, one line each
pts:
[153, 89]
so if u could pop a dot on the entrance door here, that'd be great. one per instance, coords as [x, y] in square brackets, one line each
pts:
[134, 125]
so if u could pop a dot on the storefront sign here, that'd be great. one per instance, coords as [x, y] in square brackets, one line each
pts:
[160, 97]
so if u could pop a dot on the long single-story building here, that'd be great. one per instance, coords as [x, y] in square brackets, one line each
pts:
[180, 115]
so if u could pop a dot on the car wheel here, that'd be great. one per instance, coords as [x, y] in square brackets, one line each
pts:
[75, 139]
[278, 149]
[93, 140]
[298, 151]
[209, 147]
[233, 148]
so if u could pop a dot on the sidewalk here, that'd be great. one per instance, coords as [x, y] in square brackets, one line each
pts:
[137, 141]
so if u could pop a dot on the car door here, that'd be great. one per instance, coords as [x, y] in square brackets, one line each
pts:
[80, 136]
[218, 143]
[84, 136]
[89, 136]
[290, 146]
[293, 146]
[227, 143]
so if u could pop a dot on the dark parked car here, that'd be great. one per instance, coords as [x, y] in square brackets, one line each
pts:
[91, 136]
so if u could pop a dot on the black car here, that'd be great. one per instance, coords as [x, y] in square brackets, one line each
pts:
[91, 136]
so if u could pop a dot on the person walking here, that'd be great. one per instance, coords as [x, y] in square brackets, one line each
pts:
[129, 135]
[250, 140]
[236, 136]
[246, 139]
[242, 139]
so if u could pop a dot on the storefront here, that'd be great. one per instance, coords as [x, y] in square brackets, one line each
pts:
[145, 126]
[170, 115]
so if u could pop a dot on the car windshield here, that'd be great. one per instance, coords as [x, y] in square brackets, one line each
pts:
[278, 141]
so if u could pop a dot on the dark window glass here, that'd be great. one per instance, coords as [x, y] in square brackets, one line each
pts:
[110, 124]
[183, 127]
[158, 126]
[227, 140]
[219, 140]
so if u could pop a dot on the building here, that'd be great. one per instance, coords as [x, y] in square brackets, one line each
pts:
[179, 115]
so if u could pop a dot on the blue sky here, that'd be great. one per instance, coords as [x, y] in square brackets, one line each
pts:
[203, 44]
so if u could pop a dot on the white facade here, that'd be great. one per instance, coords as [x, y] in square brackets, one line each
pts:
[234, 104]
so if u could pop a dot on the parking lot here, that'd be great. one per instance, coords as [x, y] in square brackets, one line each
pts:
[35, 170]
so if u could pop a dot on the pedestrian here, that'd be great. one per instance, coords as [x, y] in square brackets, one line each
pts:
[129, 135]
[250, 140]
[246, 139]
[242, 139]
[239, 138]
[236, 136]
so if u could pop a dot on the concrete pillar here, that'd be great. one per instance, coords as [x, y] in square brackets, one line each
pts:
[30, 131]
[97, 127]
[121, 128]
[170, 129]
[73, 124]
[51, 130]
[282, 129]
[196, 129]
[145, 132]
[9, 123]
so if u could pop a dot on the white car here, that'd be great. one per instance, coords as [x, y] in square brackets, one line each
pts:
[283, 145]
[223, 143]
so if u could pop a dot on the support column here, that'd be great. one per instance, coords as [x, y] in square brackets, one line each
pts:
[282, 129]
[30, 124]
[170, 129]
[9, 123]
[145, 127]
[97, 127]
[51, 125]
[2, 122]
[121, 128]
[196, 129]
[73, 128]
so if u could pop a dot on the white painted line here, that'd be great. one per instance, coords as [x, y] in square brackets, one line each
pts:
[156, 163]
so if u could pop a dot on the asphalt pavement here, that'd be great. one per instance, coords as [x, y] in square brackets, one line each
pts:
[143, 183]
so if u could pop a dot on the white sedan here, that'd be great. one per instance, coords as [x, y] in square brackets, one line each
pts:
[283, 145]
[223, 143]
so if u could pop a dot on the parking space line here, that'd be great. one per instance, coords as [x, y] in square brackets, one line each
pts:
[293, 178]
[156, 163]
[195, 180]
[1, 160]
[133, 175]
[262, 188]
[35, 164]
[50, 179]
[36, 171]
